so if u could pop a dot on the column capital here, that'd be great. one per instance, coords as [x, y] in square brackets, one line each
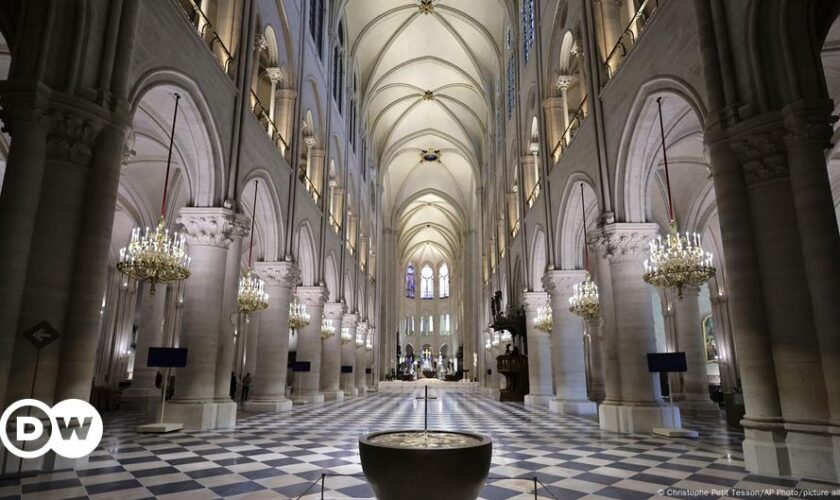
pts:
[761, 152]
[349, 320]
[362, 326]
[207, 226]
[560, 283]
[278, 274]
[334, 310]
[809, 122]
[625, 241]
[563, 82]
[312, 295]
[531, 301]
[274, 74]
[241, 226]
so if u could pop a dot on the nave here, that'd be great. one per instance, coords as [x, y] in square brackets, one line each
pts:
[280, 456]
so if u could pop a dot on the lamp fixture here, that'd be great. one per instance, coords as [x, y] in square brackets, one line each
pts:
[346, 336]
[679, 260]
[252, 295]
[298, 317]
[156, 256]
[585, 301]
[327, 328]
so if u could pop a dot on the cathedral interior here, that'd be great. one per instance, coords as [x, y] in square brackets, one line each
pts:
[603, 233]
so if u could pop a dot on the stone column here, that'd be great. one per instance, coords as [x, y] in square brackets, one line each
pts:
[564, 82]
[530, 178]
[331, 354]
[208, 233]
[695, 388]
[361, 358]
[268, 392]
[594, 334]
[23, 117]
[274, 75]
[143, 395]
[370, 361]
[640, 407]
[316, 174]
[567, 347]
[285, 117]
[309, 344]
[554, 123]
[611, 30]
[230, 308]
[539, 352]
[348, 356]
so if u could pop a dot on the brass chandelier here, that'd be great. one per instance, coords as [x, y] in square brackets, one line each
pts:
[298, 317]
[327, 328]
[679, 260]
[544, 321]
[252, 295]
[156, 256]
[585, 301]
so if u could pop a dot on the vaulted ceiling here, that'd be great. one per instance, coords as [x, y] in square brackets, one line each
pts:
[427, 73]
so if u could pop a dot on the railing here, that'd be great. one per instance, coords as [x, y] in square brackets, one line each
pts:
[205, 30]
[574, 125]
[268, 124]
[321, 484]
[532, 198]
[514, 231]
[335, 224]
[628, 37]
[310, 187]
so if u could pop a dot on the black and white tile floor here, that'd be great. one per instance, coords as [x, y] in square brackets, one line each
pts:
[279, 456]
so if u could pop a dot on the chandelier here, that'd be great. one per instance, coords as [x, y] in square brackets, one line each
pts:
[506, 336]
[156, 256]
[679, 260]
[585, 301]
[346, 336]
[497, 339]
[327, 328]
[360, 339]
[252, 296]
[544, 321]
[298, 317]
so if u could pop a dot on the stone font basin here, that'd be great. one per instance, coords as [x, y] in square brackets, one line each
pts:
[415, 465]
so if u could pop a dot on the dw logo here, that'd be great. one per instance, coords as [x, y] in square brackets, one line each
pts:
[75, 428]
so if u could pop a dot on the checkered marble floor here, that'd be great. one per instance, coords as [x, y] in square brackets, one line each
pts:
[279, 456]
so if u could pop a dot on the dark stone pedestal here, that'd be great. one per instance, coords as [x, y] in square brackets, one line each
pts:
[450, 473]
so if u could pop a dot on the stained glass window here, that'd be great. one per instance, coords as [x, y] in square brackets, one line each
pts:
[511, 81]
[409, 282]
[527, 28]
[443, 278]
[427, 283]
[316, 24]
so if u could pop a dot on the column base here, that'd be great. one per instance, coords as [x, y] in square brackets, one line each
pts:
[573, 407]
[274, 406]
[309, 398]
[143, 400]
[32, 466]
[637, 419]
[351, 392]
[333, 395]
[202, 415]
[538, 400]
[698, 405]
[809, 451]
[493, 392]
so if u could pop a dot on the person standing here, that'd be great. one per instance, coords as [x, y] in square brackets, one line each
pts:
[246, 386]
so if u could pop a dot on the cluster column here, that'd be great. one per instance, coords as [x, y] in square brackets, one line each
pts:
[567, 347]
[361, 357]
[272, 343]
[208, 233]
[695, 383]
[594, 344]
[348, 355]
[638, 408]
[309, 344]
[539, 352]
[143, 395]
[331, 354]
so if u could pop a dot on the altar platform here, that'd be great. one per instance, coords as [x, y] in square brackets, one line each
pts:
[402, 386]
